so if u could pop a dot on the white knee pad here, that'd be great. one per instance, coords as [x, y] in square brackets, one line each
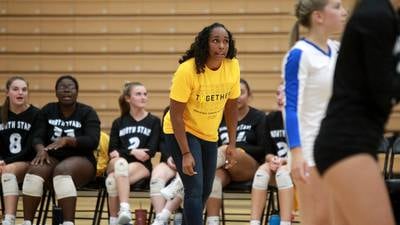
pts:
[283, 179]
[33, 185]
[156, 185]
[10, 184]
[216, 191]
[221, 158]
[121, 168]
[64, 186]
[261, 179]
[111, 186]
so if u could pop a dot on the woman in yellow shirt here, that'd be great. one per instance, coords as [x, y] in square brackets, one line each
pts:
[204, 88]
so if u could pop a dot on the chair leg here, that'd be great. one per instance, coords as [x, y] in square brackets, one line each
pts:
[151, 212]
[222, 209]
[41, 206]
[98, 208]
[2, 201]
[50, 197]
[270, 203]
[103, 199]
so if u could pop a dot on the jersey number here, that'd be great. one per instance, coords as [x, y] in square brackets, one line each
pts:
[58, 132]
[240, 137]
[134, 143]
[282, 149]
[15, 143]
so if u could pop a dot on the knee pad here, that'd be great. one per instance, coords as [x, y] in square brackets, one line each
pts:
[221, 158]
[283, 179]
[121, 168]
[111, 186]
[216, 191]
[261, 179]
[10, 184]
[64, 186]
[33, 185]
[156, 185]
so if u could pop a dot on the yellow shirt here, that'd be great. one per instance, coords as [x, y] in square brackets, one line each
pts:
[101, 153]
[205, 96]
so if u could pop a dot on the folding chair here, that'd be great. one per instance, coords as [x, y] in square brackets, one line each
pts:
[140, 186]
[392, 183]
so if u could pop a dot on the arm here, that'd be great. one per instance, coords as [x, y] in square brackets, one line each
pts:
[115, 142]
[90, 140]
[178, 125]
[231, 119]
[294, 75]
[38, 137]
[176, 111]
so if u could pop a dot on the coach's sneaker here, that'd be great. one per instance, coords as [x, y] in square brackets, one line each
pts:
[169, 192]
[27, 222]
[124, 216]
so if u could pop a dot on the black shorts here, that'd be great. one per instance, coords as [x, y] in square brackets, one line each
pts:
[337, 142]
[325, 157]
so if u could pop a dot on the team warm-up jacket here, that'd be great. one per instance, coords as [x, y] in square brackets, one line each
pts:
[83, 125]
[16, 136]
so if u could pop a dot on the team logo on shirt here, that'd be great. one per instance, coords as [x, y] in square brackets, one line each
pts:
[16, 125]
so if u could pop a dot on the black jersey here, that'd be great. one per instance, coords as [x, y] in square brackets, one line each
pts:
[16, 136]
[83, 124]
[276, 135]
[250, 135]
[127, 134]
[363, 82]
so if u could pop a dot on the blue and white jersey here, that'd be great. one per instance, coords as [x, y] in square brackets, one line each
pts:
[308, 78]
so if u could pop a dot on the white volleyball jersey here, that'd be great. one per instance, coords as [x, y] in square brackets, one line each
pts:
[308, 78]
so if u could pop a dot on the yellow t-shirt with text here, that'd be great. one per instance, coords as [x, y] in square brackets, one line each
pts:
[205, 96]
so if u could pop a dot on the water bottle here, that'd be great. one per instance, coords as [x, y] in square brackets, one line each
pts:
[57, 216]
[274, 219]
[178, 217]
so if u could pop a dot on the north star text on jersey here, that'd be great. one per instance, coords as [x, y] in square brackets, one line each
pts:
[277, 133]
[16, 125]
[135, 129]
[62, 123]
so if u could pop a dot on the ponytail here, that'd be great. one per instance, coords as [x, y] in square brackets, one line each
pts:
[123, 105]
[294, 34]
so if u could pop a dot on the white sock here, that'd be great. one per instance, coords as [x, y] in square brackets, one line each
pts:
[213, 220]
[124, 205]
[285, 223]
[255, 222]
[113, 220]
[164, 215]
[68, 223]
[9, 217]
[27, 222]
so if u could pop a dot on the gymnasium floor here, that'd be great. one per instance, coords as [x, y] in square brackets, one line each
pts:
[237, 208]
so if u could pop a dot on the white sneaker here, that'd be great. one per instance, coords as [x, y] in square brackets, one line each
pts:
[7, 222]
[169, 192]
[124, 216]
[26, 222]
[158, 222]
